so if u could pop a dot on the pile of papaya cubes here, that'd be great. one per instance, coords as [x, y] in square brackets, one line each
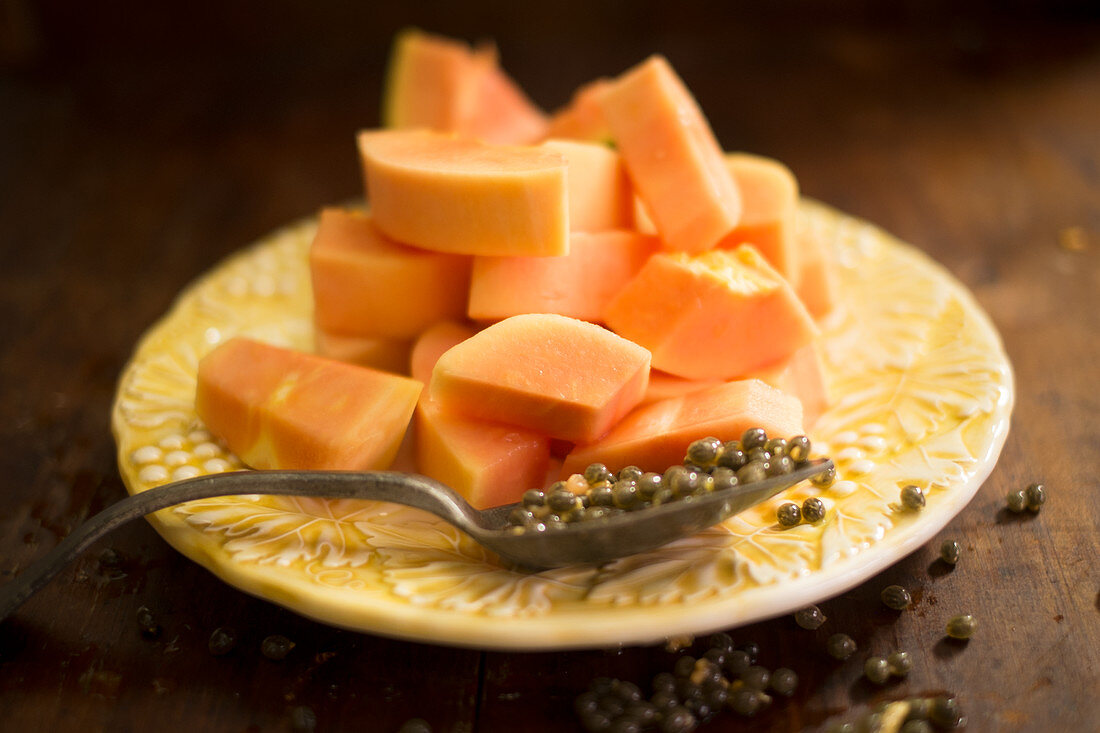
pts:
[528, 293]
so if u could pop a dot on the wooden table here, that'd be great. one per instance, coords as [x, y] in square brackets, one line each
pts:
[139, 148]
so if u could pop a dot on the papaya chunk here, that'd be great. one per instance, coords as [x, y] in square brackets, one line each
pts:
[362, 281]
[488, 463]
[817, 286]
[801, 375]
[715, 315]
[276, 408]
[582, 118]
[444, 85]
[672, 156]
[663, 385]
[600, 197]
[579, 284]
[450, 194]
[555, 375]
[769, 207]
[388, 355]
[656, 436]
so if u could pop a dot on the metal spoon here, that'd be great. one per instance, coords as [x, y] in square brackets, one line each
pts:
[585, 542]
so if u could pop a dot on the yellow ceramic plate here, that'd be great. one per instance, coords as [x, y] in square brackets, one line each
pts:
[922, 394]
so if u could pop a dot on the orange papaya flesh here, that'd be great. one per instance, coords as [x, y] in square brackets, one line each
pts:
[600, 197]
[714, 315]
[656, 436]
[674, 161]
[579, 284]
[432, 344]
[801, 375]
[818, 288]
[663, 385]
[559, 376]
[769, 207]
[450, 194]
[388, 355]
[441, 84]
[582, 118]
[487, 463]
[276, 408]
[363, 281]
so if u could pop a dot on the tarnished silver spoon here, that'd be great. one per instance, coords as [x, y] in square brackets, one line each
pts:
[593, 541]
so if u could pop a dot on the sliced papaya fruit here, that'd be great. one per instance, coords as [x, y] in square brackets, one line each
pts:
[278, 408]
[769, 207]
[656, 436]
[363, 282]
[663, 385]
[555, 375]
[817, 285]
[451, 194]
[801, 375]
[488, 463]
[582, 118]
[672, 156]
[579, 284]
[714, 315]
[389, 355]
[600, 197]
[444, 85]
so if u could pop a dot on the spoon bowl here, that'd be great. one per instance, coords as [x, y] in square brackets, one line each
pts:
[594, 541]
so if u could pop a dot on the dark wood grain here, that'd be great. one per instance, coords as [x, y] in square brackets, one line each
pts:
[139, 145]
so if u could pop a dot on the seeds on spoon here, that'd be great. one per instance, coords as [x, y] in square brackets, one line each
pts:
[709, 465]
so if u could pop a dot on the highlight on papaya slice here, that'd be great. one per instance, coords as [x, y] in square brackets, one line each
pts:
[714, 315]
[579, 284]
[389, 355]
[365, 284]
[672, 156]
[769, 208]
[449, 194]
[444, 85]
[600, 196]
[282, 409]
[656, 436]
[559, 376]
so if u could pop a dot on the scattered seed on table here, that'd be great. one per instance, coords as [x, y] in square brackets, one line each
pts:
[945, 713]
[276, 647]
[222, 641]
[962, 626]
[877, 670]
[896, 597]
[147, 623]
[784, 681]
[756, 677]
[415, 725]
[900, 663]
[950, 551]
[912, 498]
[1017, 501]
[809, 618]
[1036, 495]
[840, 646]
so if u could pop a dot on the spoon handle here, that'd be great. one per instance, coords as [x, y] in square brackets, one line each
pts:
[408, 489]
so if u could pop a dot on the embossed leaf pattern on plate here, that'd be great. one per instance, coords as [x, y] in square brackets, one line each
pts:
[922, 392]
